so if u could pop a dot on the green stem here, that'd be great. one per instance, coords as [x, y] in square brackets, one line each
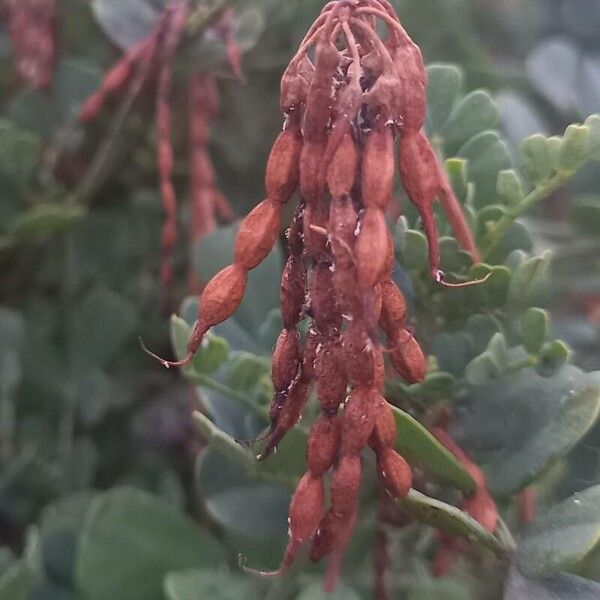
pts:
[495, 235]
[216, 386]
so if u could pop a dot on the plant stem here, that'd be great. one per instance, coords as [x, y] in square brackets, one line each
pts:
[495, 235]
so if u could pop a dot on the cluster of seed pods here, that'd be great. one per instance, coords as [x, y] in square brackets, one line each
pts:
[32, 27]
[344, 110]
[154, 57]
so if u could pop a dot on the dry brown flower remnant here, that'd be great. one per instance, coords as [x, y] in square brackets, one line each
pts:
[344, 112]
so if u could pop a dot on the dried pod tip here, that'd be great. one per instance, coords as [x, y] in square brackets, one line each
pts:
[168, 364]
[440, 277]
[250, 571]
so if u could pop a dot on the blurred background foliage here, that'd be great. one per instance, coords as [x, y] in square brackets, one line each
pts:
[81, 408]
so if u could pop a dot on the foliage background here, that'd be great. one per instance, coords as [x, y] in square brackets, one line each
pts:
[83, 409]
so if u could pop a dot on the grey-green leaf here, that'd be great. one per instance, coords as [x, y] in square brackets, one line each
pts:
[445, 82]
[417, 444]
[131, 540]
[449, 519]
[199, 584]
[562, 536]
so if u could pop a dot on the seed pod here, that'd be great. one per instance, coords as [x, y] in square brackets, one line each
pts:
[318, 104]
[340, 543]
[371, 247]
[408, 61]
[315, 243]
[377, 301]
[323, 444]
[257, 234]
[311, 159]
[482, 508]
[393, 308]
[360, 363]
[293, 291]
[222, 296]
[384, 429]
[345, 484]
[407, 357]
[304, 515]
[379, 368]
[281, 178]
[358, 420]
[342, 169]
[322, 299]
[378, 167]
[286, 359]
[288, 416]
[395, 473]
[323, 542]
[330, 372]
[313, 339]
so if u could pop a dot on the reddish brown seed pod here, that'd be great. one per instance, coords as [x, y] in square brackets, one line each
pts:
[322, 300]
[282, 172]
[341, 173]
[377, 301]
[358, 420]
[379, 369]
[358, 350]
[304, 515]
[311, 160]
[482, 508]
[293, 290]
[286, 359]
[407, 357]
[393, 307]
[331, 377]
[345, 484]
[315, 226]
[395, 473]
[371, 247]
[323, 541]
[318, 104]
[384, 429]
[257, 234]
[288, 416]
[378, 167]
[323, 444]
[222, 296]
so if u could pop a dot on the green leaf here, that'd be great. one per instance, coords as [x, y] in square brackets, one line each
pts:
[534, 329]
[481, 369]
[473, 114]
[552, 357]
[221, 442]
[528, 281]
[574, 148]
[593, 124]
[202, 584]
[585, 213]
[509, 187]
[19, 156]
[16, 582]
[487, 155]
[434, 589]
[131, 540]
[458, 169]
[125, 23]
[45, 220]
[414, 251]
[444, 85]
[449, 519]
[417, 444]
[521, 424]
[561, 537]
[557, 587]
[103, 322]
[536, 158]
[315, 591]
[241, 503]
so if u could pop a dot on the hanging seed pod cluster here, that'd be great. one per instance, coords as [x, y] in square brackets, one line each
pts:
[153, 58]
[354, 106]
[32, 25]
